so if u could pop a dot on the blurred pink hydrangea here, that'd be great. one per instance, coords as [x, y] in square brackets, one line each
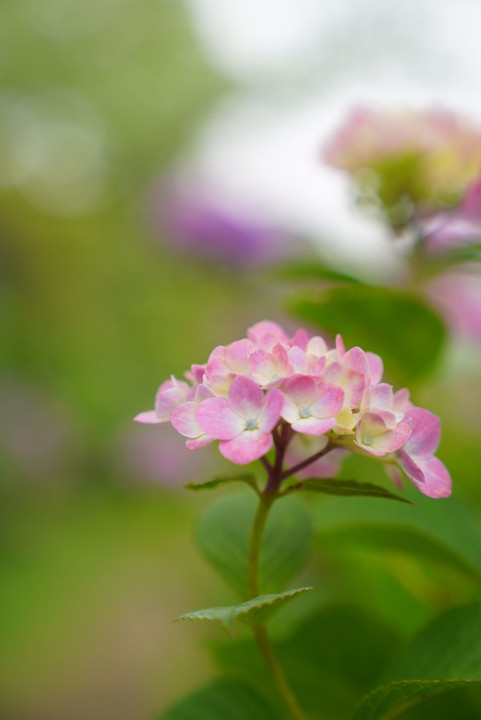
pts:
[458, 226]
[411, 162]
[252, 389]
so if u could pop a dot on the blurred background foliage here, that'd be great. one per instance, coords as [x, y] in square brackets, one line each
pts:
[97, 101]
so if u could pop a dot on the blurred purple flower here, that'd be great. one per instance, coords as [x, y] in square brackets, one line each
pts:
[145, 455]
[213, 227]
[36, 432]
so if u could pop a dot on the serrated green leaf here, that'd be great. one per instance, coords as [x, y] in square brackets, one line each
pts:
[224, 699]
[443, 656]
[249, 479]
[389, 701]
[353, 488]
[253, 612]
[399, 325]
[223, 536]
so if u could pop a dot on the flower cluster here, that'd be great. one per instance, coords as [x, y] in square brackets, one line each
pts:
[424, 160]
[255, 389]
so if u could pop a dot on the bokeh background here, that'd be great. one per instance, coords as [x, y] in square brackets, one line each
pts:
[116, 116]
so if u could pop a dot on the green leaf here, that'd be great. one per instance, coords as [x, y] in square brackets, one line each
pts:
[389, 701]
[313, 270]
[331, 659]
[407, 333]
[247, 478]
[224, 699]
[253, 612]
[334, 486]
[223, 536]
[443, 656]
[446, 533]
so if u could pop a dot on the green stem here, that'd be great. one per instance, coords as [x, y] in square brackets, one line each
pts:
[254, 551]
[265, 645]
[253, 584]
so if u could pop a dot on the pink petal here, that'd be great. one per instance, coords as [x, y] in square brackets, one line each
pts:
[217, 420]
[196, 373]
[437, 480]
[216, 362]
[184, 421]
[149, 417]
[171, 394]
[237, 354]
[298, 361]
[329, 402]
[401, 402]
[250, 445]
[198, 442]
[356, 361]
[313, 426]
[245, 397]
[289, 411]
[263, 366]
[302, 389]
[300, 339]
[410, 467]
[381, 396]
[340, 347]
[426, 432]
[317, 346]
[376, 367]
[265, 334]
[392, 440]
[271, 411]
[352, 383]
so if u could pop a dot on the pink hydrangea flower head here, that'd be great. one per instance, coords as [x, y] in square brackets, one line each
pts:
[270, 390]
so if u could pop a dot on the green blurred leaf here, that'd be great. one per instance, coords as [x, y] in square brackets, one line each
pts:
[223, 536]
[400, 326]
[224, 699]
[249, 479]
[398, 539]
[445, 655]
[313, 270]
[255, 611]
[445, 532]
[334, 486]
[331, 659]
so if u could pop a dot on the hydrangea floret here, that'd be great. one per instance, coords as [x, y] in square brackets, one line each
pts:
[267, 389]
